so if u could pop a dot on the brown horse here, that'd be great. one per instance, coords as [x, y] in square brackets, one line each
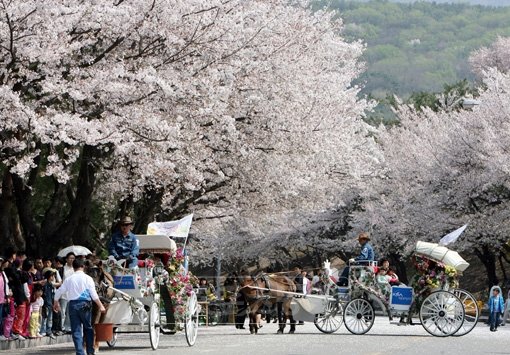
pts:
[272, 288]
[94, 268]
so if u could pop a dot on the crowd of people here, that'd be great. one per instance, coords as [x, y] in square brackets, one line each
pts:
[27, 292]
[48, 297]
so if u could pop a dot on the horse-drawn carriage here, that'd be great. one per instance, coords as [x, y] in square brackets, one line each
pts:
[442, 308]
[137, 304]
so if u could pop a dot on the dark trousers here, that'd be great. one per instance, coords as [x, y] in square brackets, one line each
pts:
[494, 320]
[57, 322]
[3, 314]
[343, 280]
[169, 307]
[242, 308]
[80, 313]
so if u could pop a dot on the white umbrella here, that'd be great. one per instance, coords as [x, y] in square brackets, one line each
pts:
[75, 249]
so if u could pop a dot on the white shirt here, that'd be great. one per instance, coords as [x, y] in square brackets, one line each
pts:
[78, 287]
[305, 285]
[36, 306]
[68, 271]
[6, 290]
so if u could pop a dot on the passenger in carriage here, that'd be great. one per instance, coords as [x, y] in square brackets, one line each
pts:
[394, 281]
[364, 258]
[161, 276]
[383, 281]
[382, 276]
[389, 272]
[124, 244]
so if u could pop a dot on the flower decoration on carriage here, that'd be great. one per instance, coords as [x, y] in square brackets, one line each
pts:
[432, 275]
[180, 283]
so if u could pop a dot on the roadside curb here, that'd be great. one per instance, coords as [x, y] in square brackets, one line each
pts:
[31, 343]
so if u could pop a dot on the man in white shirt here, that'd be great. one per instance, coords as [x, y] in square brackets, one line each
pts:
[80, 291]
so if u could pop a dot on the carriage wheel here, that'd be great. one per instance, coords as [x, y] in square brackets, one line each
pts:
[359, 316]
[442, 314]
[154, 325]
[191, 320]
[332, 318]
[111, 343]
[471, 310]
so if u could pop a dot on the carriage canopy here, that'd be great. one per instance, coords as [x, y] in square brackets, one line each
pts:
[156, 244]
[442, 254]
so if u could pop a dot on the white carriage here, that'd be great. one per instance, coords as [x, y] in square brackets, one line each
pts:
[137, 305]
[441, 309]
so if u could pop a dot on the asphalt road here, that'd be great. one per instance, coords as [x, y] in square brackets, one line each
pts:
[383, 338]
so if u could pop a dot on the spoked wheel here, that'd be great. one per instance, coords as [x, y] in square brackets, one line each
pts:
[442, 314]
[331, 319]
[111, 343]
[191, 320]
[471, 310]
[359, 316]
[154, 325]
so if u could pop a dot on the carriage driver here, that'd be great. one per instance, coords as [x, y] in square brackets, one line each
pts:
[366, 255]
[124, 244]
[367, 252]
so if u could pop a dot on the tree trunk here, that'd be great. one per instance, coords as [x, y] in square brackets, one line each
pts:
[125, 206]
[488, 258]
[503, 270]
[75, 228]
[31, 231]
[7, 231]
[146, 209]
[54, 213]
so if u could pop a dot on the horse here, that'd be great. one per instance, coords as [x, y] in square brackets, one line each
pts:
[272, 288]
[94, 268]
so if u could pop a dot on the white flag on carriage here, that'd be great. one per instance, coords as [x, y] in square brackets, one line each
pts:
[178, 229]
[453, 236]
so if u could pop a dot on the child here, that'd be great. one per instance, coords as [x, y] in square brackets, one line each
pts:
[47, 309]
[394, 281]
[382, 276]
[36, 303]
[496, 307]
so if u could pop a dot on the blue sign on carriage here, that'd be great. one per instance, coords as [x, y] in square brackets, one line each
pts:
[402, 296]
[125, 282]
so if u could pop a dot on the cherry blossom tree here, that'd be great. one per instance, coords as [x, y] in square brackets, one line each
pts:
[496, 56]
[445, 169]
[242, 112]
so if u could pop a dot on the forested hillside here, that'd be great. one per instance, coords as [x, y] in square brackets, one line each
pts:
[418, 46]
[468, 2]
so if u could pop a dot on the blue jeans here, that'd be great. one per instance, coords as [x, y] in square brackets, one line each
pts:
[494, 320]
[47, 320]
[80, 313]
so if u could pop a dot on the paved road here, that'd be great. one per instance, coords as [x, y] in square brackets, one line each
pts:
[383, 338]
